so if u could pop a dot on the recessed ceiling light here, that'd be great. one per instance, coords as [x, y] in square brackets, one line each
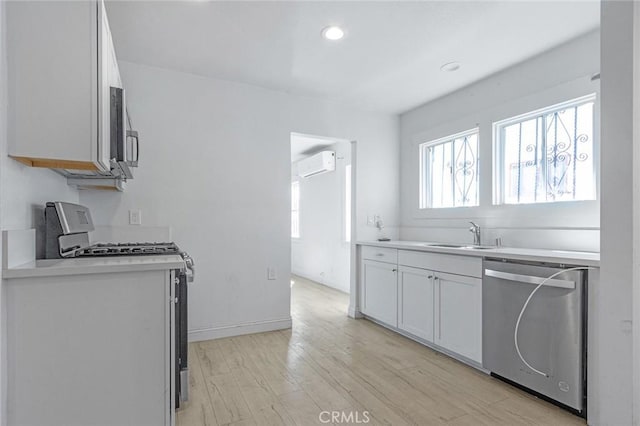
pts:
[450, 66]
[333, 33]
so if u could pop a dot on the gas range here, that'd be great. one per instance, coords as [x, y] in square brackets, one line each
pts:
[67, 236]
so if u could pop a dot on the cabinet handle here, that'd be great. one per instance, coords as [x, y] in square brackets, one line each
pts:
[394, 270]
[379, 254]
[429, 277]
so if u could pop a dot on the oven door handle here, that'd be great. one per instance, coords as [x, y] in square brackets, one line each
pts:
[528, 279]
[191, 273]
[190, 269]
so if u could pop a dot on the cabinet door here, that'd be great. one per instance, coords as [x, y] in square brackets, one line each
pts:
[458, 326]
[380, 287]
[52, 72]
[108, 76]
[415, 304]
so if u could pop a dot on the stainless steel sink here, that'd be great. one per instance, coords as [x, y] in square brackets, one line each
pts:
[479, 247]
[444, 245]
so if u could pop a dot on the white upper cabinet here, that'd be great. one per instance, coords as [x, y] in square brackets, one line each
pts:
[108, 76]
[61, 64]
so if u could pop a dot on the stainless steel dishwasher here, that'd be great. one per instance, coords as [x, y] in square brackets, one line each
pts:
[551, 334]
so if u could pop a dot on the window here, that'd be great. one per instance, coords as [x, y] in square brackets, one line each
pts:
[546, 155]
[347, 203]
[295, 209]
[449, 171]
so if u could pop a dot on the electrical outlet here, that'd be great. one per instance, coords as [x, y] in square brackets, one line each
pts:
[271, 273]
[135, 217]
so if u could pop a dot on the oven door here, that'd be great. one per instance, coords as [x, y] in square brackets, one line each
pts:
[181, 346]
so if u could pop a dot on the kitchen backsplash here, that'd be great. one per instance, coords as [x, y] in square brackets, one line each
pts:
[582, 239]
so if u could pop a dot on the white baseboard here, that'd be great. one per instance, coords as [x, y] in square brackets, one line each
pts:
[238, 329]
[353, 313]
[320, 280]
[313, 277]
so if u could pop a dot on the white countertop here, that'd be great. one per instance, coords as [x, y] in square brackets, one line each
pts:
[93, 265]
[582, 258]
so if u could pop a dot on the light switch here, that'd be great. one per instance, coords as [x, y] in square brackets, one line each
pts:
[135, 217]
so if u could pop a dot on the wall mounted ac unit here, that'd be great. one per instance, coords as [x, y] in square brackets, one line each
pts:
[321, 162]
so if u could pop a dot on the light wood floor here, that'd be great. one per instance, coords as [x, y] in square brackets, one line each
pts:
[329, 362]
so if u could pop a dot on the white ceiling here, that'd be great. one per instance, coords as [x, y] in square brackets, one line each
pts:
[389, 60]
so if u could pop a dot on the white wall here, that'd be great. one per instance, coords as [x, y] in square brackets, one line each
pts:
[636, 215]
[613, 312]
[321, 253]
[215, 167]
[23, 193]
[555, 76]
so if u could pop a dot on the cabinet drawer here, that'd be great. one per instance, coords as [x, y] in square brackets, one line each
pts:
[451, 263]
[380, 254]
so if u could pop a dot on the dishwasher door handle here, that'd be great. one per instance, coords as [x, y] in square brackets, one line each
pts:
[530, 279]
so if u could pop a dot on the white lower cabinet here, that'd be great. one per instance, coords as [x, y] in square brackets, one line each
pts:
[435, 297]
[458, 314]
[415, 303]
[380, 291]
[91, 349]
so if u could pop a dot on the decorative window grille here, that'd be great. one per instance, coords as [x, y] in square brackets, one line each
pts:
[546, 155]
[295, 209]
[449, 171]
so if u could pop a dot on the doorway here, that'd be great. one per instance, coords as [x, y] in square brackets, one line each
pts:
[322, 210]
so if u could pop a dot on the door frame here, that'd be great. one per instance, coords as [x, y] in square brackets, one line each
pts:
[354, 294]
[353, 274]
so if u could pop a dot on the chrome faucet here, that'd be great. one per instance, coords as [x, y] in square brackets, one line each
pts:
[475, 230]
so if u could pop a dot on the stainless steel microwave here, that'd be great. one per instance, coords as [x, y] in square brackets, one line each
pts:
[125, 147]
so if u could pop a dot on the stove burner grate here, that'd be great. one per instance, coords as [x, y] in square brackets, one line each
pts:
[128, 249]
